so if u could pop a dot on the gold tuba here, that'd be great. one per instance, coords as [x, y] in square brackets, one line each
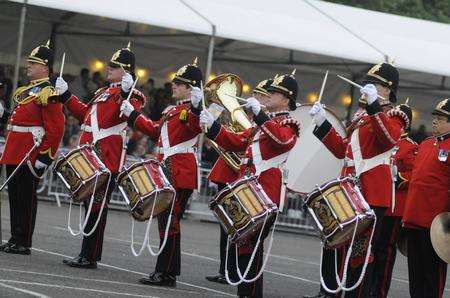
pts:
[218, 91]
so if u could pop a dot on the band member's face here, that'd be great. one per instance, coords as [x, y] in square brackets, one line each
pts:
[262, 98]
[180, 91]
[36, 71]
[440, 125]
[114, 74]
[383, 91]
[276, 102]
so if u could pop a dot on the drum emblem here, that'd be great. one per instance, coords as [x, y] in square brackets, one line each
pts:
[69, 175]
[234, 210]
[324, 215]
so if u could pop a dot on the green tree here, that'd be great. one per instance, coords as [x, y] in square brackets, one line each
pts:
[433, 10]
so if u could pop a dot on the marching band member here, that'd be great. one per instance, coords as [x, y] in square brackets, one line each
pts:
[178, 132]
[428, 196]
[403, 156]
[266, 147]
[372, 135]
[221, 174]
[104, 128]
[37, 120]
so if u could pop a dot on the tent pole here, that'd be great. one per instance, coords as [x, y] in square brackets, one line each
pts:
[19, 44]
[209, 61]
[210, 53]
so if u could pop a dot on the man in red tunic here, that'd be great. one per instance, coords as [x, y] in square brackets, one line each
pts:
[367, 150]
[428, 196]
[104, 128]
[37, 120]
[403, 159]
[266, 148]
[177, 136]
[221, 174]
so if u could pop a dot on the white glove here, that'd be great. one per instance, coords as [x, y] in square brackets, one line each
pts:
[370, 93]
[318, 114]
[127, 82]
[2, 110]
[40, 165]
[196, 97]
[206, 119]
[61, 85]
[126, 108]
[254, 105]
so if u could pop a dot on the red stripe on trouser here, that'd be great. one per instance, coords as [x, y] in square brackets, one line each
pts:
[30, 226]
[389, 259]
[169, 263]
[254, 284]
[441, 279]
[98, 243]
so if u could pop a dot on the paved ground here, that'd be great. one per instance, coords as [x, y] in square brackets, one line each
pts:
[291, 272]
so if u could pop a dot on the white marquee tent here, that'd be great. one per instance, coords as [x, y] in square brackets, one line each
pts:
[253, 38]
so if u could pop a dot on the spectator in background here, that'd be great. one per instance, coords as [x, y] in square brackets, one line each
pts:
[6, 86]
[140, 150]
[98, 80]
[148, 89]
[73, 141]
[72, 127]
[160, 103]
[168, 90]
[209, 155]
[419, 135]
[83, 86]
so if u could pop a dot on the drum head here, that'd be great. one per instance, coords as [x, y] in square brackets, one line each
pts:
[310, 163]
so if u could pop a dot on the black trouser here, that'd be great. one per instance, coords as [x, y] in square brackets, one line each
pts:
[253, 289]
[169, 261]
[427, 272]
[92, 245]
[223, 247]
[329, 271]
[353, 272]
[22, 204]
[385, 259]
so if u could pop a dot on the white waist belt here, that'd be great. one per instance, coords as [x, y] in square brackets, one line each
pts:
[86, 128]
[32, 129]
[185, 147]
[105, 132]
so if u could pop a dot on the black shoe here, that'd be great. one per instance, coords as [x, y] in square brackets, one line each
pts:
[80, 262]
[17, 249]
[220, 278]
[6, 245]
[159, 279]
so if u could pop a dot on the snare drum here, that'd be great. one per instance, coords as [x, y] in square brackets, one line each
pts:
[242, 207]
[337, 208]
[82, 172]
[144, 184]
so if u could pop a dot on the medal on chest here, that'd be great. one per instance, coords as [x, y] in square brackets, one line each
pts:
[443, 155]
[103, 97]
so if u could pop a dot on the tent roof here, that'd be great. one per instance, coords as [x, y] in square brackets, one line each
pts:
[298, 25]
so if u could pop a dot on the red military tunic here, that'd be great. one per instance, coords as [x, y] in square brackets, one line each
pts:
[36, 106]
[276, 135]
[429, 187]
[378, 133]
[404, 161]
[222, 172]
[177, 134]
[111, 127]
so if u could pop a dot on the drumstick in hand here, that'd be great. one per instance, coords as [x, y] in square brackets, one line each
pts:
[62, 64]
[203, 102]
[356, 85]
[129, 94]
[323, 87]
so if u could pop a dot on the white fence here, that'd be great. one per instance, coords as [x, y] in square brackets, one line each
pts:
[51, 187]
